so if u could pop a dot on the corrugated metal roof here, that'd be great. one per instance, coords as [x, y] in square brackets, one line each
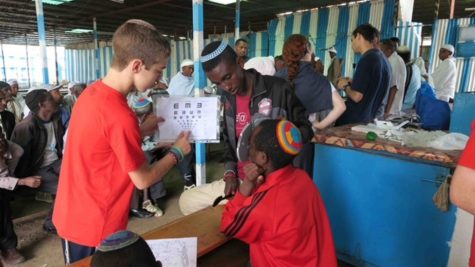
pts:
[173, 17]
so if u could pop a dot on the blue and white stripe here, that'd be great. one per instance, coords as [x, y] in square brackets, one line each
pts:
[200, 83]
[333, 25]
[325, 27]
[237, 20]
[410, 34]
[96, 48]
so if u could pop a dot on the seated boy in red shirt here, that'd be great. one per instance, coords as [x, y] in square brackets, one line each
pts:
[462, 188]
[277, 209]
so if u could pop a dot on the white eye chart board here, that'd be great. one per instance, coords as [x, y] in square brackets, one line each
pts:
[200, 115]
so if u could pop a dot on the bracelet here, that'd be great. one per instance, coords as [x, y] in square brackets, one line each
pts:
[177, 152]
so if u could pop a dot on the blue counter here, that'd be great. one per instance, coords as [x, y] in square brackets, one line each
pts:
[381, 210]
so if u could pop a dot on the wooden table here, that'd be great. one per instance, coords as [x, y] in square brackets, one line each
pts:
[203, 224]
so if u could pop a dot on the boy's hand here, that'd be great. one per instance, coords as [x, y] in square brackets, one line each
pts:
[253, 178]
[231, 185]
[161, 86]
[150, 125]
[32, 181]
[341, 82]
[183, 143]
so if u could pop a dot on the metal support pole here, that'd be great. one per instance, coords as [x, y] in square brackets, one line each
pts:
[96, 50]
[395, 17]
[200, 82]
[3, 62]
[452, 9]
[436, 9]
[27, 61]
[40, 19]
[55, 56]
[237, 20]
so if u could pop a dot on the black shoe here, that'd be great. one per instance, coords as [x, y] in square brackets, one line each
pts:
[50, 228]
[140, 213]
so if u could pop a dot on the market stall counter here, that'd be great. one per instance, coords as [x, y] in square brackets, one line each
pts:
[379, 197]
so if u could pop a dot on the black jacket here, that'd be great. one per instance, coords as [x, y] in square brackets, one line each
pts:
[8, 123]
[272, 98]
[32, 136]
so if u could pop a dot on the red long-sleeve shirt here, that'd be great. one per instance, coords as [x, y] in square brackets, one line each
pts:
[284, 221]
[467, 159]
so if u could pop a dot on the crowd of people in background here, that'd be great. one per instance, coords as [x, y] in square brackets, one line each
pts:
[56, 144]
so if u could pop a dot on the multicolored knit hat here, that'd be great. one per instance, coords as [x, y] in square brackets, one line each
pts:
[118, 240]
[289, 137]
[142, 106]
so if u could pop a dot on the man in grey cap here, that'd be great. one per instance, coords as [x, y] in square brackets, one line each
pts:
[75, 90]
[445, 75]
[40, 134]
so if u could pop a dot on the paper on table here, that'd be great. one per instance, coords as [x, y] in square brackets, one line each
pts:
[200, 115]
[175, 252]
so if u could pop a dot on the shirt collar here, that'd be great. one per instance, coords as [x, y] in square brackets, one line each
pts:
[276, 177]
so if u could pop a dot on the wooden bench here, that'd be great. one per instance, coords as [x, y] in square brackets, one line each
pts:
[203, 224]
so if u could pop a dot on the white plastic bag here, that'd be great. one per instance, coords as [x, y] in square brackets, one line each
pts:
[450, 141]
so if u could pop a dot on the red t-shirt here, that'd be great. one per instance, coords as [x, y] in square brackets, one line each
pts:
[284, 222]
[102, 147]
[467, 159]
[243, 117]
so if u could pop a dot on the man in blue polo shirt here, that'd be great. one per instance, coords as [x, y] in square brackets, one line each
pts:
[370, 81]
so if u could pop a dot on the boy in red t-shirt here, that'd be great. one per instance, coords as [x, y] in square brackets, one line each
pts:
[462, 188]
[103, 158]
[277, 209]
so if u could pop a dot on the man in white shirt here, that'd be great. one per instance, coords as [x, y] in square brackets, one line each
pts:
[445, 75]
[16, 104]
[183, 83]
[395, 94]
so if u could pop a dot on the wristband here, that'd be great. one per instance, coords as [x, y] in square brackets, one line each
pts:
[179, 151]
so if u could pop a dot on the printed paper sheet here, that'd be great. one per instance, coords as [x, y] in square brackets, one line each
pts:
[200, 115]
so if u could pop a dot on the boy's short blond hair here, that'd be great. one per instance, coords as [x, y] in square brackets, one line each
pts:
[138, 39]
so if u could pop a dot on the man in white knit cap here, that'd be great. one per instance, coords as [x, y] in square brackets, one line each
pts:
[17, 102]
[445, 75]
[183, 83]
